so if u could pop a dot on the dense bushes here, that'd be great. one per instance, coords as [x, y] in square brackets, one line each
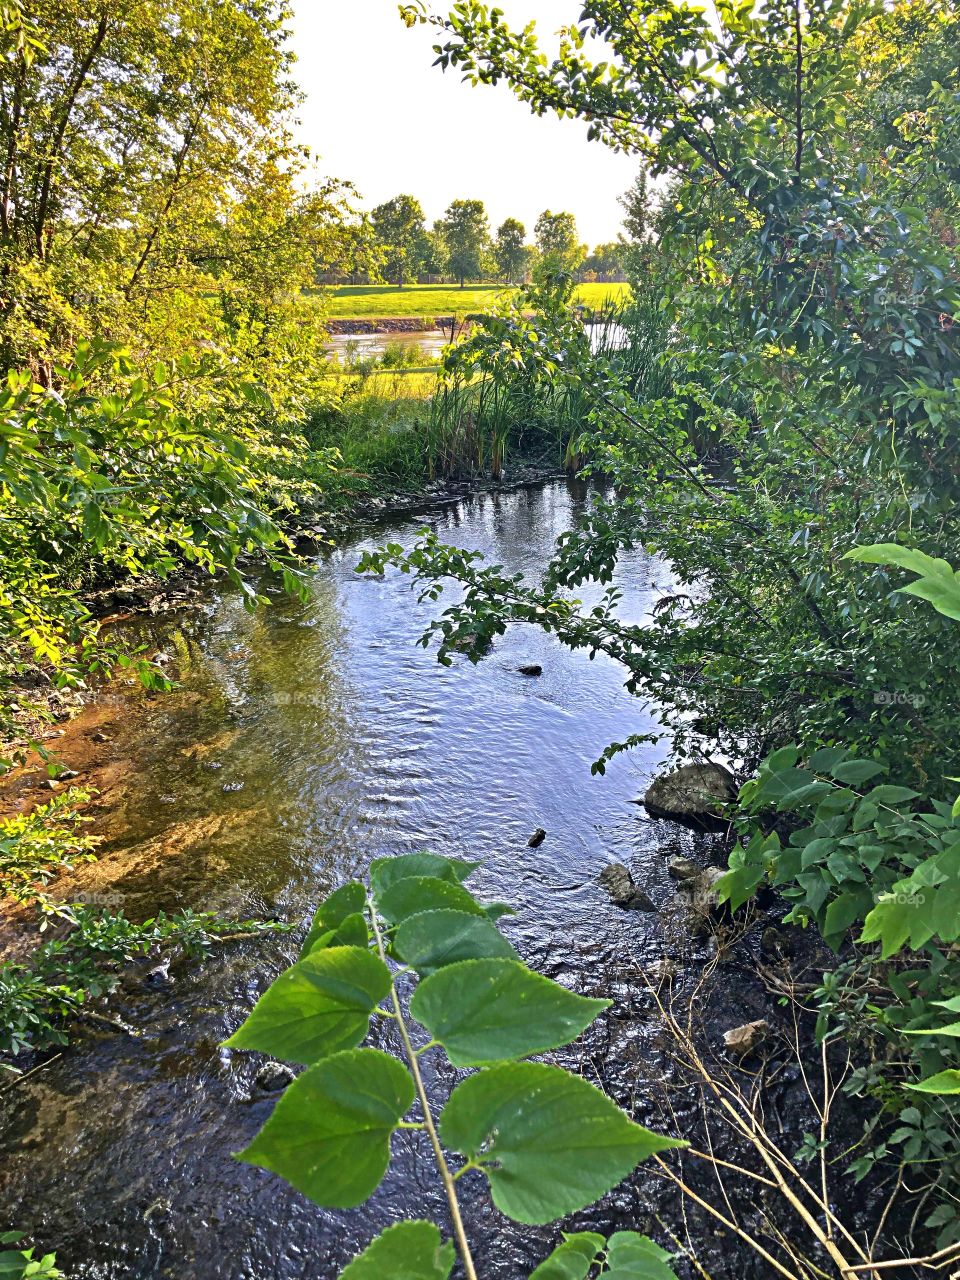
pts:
[803, 257]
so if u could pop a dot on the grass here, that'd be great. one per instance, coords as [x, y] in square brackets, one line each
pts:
[381, 300]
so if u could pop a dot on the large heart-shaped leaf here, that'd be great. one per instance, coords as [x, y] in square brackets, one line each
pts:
[490, 1010]
[408, 1251]
[319, 1006]
[412, 894]
[549, 1142]
[387, 871]
[346, 901]
[432, 939]
[635, 1257]
[571, 1260]
[329, 1134]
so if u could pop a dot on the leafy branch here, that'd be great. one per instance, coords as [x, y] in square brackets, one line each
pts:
[546, 1141]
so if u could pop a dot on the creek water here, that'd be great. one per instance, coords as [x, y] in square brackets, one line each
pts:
[302, 741]
[350, 347]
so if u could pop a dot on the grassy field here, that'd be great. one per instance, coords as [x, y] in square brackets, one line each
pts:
[360, 301]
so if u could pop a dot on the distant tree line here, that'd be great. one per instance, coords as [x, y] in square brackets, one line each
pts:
[398, 246]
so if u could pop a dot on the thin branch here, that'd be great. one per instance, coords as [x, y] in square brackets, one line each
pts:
[446, 1176]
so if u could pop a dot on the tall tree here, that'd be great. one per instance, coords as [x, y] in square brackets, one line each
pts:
[638, 210]
[558, 243]
[402, 234]
[510, 251]
[149, 189]
[466, 235]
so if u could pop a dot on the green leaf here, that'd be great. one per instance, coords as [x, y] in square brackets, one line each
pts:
[407, 1251]
[491, 1010]
[826, 758]
[329, 1135]
[888, 794]
[432, 939]
[571, 1260]
[739, 884]
[345, 901]
[845, 911]
[781, 787]
[943, 1083]
[387, 871]
[784, 758]
[937, 583]
[634, 1257]
[353, 931]
[944, 596]
[857, 771]
[952, 1029]
[424, 893]
[549, 1142]
[319, 1006]
[902, 557]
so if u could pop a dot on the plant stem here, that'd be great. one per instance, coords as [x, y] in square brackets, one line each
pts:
[447, 1177]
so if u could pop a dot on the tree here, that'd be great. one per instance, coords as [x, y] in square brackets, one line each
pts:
[465, 231]
[150, 191]
[638, 238]
[558, 244]
[509, 250]
[638, 211]
[402, 234]
[606, 260]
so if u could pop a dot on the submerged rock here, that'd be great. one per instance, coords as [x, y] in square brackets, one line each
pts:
[740, 1041]
[705, 905]
[272, 1077]
[618, 882]
[159, 975]
[692, 794]
[683, 869]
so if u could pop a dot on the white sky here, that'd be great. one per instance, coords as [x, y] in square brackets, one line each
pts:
[380, 114]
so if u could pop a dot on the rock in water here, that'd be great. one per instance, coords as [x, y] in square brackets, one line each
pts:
[531, 669]
[692, 794]
[273, 1076]
[740, 1041]
[537, 838]
[618, 882]
[683, 869]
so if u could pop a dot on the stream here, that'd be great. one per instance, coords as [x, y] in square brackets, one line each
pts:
[302, 741]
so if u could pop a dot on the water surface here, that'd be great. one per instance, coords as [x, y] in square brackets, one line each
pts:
[305, 740]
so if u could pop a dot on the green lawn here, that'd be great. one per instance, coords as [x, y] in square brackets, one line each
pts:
[353, 301]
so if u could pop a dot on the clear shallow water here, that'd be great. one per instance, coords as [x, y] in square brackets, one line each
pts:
[350, 742]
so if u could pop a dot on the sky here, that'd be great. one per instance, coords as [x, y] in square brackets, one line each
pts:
[379, 114]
